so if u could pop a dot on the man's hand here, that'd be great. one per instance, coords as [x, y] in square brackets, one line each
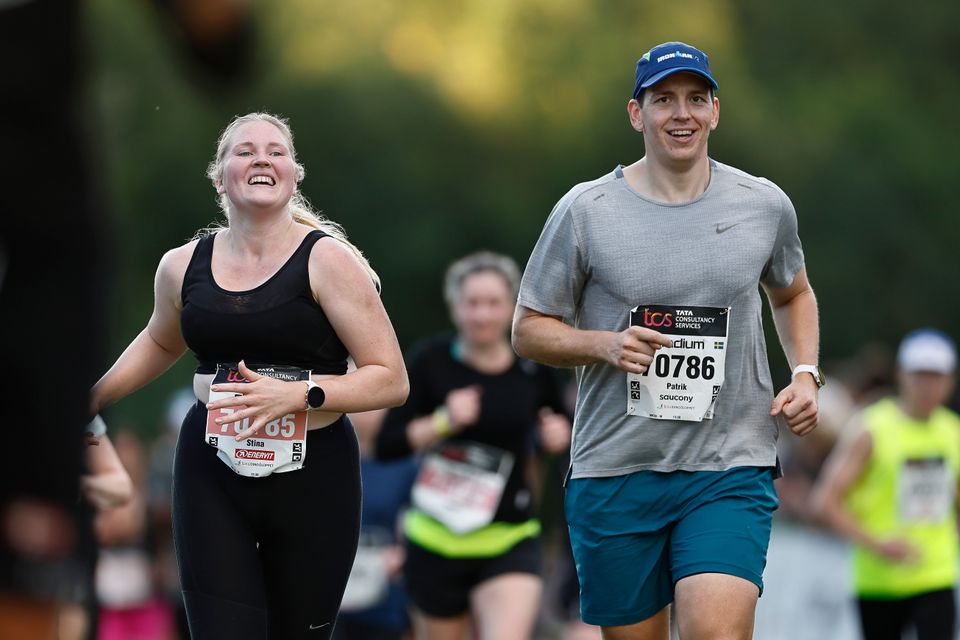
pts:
[896, 550]
[798, 404]
[632, 349]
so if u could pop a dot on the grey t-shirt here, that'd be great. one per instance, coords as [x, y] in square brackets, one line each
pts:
[606, 249]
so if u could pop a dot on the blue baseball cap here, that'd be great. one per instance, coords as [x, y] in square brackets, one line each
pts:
[671, 57]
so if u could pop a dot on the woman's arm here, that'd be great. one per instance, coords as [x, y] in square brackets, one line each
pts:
[159, 345]
[353, 306]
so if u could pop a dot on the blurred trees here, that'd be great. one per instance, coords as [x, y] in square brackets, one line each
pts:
[430, 129]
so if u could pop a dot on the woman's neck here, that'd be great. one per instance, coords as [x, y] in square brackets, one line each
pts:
[255, 236]
[492, 357]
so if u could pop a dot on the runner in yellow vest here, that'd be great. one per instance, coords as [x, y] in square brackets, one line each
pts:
[890, 487]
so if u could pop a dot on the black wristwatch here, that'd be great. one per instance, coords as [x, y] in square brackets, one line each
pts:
[315, 395]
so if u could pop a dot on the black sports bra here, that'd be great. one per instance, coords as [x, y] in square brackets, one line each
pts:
[278, 322]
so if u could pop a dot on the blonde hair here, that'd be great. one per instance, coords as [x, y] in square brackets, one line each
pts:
[479, 262]
[299, 206]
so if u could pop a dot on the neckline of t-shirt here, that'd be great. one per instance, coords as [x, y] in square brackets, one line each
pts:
[618, 175]
[456, 356]
[263, 284]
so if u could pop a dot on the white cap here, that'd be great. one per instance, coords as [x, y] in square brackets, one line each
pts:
[927, 350]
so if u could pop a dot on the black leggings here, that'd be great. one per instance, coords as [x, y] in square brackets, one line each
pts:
[932, 614]
[265, 557]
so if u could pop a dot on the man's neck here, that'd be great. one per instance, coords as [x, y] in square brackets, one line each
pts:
[912, 410]
[670, 184]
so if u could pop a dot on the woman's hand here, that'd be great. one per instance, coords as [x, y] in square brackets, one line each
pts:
[463, 406]
[261, 399]
[554, 430]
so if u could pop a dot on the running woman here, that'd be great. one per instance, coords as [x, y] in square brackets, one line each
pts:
[647, 279]
[474, 412]
[266, 496]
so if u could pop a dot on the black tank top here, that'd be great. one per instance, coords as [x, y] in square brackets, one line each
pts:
[278, 322]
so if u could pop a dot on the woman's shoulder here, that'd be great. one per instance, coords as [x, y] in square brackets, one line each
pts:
[173, 265]
[180, 256]
[334, 265]
[329, 251]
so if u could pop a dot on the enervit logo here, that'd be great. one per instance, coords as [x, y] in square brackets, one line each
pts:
[254, 454]
[657, 318]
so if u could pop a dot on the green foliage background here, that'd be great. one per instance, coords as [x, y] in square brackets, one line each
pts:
[431, 128]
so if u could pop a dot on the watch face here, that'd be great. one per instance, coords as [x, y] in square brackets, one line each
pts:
[315, 397]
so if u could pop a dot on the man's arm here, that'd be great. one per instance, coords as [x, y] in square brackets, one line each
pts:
[843, 468]
[796, 318]
[548, 340]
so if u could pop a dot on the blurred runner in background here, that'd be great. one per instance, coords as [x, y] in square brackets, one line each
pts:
[890, 486]
[475, 412]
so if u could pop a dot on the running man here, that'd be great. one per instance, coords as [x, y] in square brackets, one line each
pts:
[646, 280]
[890, 487]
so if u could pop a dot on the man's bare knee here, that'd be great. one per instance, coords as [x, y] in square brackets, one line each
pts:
[715, 606]
[656, 627]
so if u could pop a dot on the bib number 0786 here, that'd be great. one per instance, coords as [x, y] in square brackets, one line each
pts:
[693, 366]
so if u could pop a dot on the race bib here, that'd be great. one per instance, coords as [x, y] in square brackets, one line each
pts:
[461, 483]
[684, 380]
[280, 446]
[369, 580]
[925, 491]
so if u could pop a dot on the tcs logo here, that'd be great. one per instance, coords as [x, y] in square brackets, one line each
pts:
[234, 376]
[657, 318]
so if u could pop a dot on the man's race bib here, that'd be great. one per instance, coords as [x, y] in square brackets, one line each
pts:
[461, 483]
[369, 580]
[925, 491]
[280, 446]
[684, 380]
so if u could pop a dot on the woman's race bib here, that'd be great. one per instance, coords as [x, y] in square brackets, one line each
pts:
[684, 380]
[280, 446]
[461, 483]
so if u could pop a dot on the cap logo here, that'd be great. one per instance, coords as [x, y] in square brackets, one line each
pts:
[677, 54]
[646, 56]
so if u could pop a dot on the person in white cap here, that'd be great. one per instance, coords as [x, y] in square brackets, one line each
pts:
[890, 487]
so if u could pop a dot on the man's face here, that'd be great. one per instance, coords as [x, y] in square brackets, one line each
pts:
[926, 390]
[676, 117]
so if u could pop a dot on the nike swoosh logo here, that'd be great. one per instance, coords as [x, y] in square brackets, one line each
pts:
[722, 229]
[319, 626]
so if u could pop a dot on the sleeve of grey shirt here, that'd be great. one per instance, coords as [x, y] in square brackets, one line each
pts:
[786, 257]
[554, 277]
